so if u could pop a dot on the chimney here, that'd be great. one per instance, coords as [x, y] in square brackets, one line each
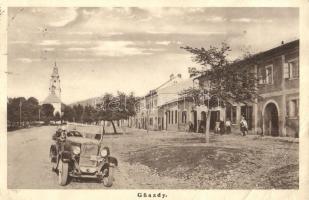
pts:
[172, 76]
[282, 42]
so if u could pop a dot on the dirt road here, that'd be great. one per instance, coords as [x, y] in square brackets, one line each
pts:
[164, 161]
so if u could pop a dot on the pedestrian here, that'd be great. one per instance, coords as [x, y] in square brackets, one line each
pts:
[243, 126]
[222, 127]
[217, 127]
[228, 126]
[191, 127]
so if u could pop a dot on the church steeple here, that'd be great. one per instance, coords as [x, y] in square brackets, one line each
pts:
[55, 71]
[54, 96]
[54, 86]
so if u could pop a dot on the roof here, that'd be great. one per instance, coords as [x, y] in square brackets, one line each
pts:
[52, 98]
[263, 54]
[171, 93]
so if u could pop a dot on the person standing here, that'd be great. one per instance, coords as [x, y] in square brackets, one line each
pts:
[222, 127]
[243, 126]
[228, 125]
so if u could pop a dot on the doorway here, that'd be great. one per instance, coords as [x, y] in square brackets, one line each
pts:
[215, 116]
[271, 120]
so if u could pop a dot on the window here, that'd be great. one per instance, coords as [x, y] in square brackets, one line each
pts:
[175, 116]
[269, 74]
[150, 121]
[266, 75]
[293, 108]
[293, 69]
[184, 117]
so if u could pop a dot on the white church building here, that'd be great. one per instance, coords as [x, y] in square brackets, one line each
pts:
[54, 96]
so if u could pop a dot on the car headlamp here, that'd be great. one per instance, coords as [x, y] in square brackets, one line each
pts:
[104, 152]
[76, 150]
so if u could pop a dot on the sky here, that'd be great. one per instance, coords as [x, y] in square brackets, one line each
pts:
[107, 49]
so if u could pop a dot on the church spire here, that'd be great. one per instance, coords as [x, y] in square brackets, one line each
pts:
[54, 96]
[55, 71]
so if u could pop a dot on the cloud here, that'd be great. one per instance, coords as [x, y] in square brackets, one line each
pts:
[18, 42]
[117, 48]
[79, 33]
[66, 17]
[24, 60]
[49, 49]
[49, 42]
[250, 20]
[163, 42]
[216, 19]
[76, 49]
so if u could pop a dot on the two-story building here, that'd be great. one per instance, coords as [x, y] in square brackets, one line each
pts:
[277, 112]
[149, 116]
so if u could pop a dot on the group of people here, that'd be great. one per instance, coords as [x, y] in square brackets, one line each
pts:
[223, 128]
[227, 127]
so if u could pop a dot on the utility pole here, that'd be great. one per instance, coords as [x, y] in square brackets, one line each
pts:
[20, 104]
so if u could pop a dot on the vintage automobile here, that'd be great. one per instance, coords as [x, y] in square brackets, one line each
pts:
[74, 156]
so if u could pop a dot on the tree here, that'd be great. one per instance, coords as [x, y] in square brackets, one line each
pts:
[68, 113]
[57, 117]
[47, 112]
[79, 111]
[15, 107]
[117, 107]
[226, 81]
[89, 114]
[31, 109]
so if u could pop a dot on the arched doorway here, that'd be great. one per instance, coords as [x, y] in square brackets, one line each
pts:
[271, 119]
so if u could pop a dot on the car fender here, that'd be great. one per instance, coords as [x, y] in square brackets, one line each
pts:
[65, 156]
[112, 161]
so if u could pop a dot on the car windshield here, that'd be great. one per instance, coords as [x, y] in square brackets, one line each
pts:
[74, 134]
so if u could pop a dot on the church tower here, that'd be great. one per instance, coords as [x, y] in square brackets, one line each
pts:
[54, 96]
[54, 85]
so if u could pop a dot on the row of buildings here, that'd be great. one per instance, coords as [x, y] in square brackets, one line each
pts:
[275, 114]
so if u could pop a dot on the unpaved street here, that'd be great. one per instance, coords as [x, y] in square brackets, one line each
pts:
[164, 160]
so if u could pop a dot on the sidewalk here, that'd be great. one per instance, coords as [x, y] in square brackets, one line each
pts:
[251, 136]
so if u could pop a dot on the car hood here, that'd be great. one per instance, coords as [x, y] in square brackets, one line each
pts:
[82, 140]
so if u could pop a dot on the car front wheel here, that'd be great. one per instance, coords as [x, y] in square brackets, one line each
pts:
[63, 172]
[109, 178]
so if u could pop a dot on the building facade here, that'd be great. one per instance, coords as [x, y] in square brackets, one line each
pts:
[54, 96]
[276, 113]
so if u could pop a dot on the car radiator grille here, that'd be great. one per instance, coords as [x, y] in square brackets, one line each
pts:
[88, 150]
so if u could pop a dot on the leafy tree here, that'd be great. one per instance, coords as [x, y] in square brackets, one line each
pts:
[15, 109]
[113, 108]
[79, 111]
[31, 109]
[47, 112]
[68, 113]
[57, 117]
[89, 114]
[224, 81]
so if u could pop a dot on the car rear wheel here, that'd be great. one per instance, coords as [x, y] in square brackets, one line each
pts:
[53, 160]
[63, 172]
[109, 178]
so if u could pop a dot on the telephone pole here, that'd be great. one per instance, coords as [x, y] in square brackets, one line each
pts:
[20, 104]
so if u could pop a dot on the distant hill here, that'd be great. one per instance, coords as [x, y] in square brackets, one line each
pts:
[91, 101]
